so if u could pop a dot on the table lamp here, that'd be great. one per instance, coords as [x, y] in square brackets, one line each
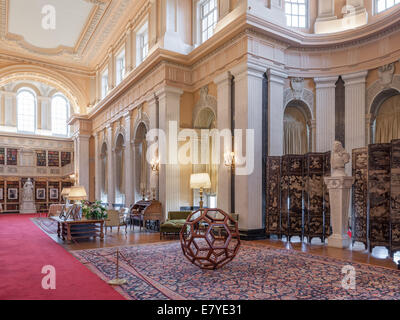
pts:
[64, 194]
[77, 193]
[200, 181]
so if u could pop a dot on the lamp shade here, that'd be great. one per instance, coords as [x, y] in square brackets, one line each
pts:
[65, 192]
[77, 193]
[200, 180]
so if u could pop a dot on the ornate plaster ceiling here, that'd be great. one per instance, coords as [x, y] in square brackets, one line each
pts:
[82, 28]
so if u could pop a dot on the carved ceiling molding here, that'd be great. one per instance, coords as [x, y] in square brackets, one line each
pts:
[19, 44]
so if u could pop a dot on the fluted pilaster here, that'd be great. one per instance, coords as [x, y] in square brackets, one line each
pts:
[325, 113]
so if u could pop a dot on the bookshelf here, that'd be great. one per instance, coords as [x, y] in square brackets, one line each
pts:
[53, 158]
[12, 155]
[65, 158]
[2, 156]
[41, 158]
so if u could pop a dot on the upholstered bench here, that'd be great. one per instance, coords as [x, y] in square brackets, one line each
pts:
[175, 222]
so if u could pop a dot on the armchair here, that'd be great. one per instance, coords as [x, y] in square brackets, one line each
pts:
[115, 219]
[175, 222]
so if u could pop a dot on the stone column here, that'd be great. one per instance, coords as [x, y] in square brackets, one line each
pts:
[224, 8]
[111, 70]
[129, 198]
[325, 113]
[110, 166]
[223, 82]
[128, 50]
[97, 166]
[339, 195]
[10, 109]
[82, 160]
[98, 86]
[169, 176]
[248, 115]
[2, 109]
[276, 111]
[152, 24]
[153, 116]
[326, 10]
[354, 111]
[313, 128]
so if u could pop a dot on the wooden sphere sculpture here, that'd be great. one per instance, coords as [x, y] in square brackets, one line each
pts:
[210, 238]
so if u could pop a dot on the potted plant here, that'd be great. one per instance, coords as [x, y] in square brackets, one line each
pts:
[94, 210]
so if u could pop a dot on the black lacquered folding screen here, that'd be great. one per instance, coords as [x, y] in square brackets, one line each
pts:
[379, 157]
[395, 196]
[297, 201]
[376, 196]
[273, 201]
[360, 195]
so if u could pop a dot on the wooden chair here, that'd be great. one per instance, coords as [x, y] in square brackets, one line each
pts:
[115, 219]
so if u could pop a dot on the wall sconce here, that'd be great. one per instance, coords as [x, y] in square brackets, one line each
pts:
[155, 165]
[230, 160]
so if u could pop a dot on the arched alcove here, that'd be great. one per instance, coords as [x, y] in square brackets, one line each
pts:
[385, 117]
[104, 174]
[119, 169]
[297, 136]
[206, 119]
[142, 168]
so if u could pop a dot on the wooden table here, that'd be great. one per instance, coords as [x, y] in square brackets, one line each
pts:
[79, 229]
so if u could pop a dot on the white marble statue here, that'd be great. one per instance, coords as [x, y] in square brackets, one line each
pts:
[28, 199]
[28, 191]
[339, 159]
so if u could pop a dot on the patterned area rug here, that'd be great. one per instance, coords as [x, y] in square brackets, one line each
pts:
[160, 271]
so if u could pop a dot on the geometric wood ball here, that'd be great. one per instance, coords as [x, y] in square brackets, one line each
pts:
[210, 238]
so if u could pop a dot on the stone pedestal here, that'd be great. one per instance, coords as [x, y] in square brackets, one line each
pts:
[339, 198]
[27, 207]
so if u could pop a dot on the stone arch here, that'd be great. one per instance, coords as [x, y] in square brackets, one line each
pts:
[206, 101]
[22, 85]
[306, 98]
[78, 99]
[119, 132]
[141, 118]
[377, 94]
[205, 119]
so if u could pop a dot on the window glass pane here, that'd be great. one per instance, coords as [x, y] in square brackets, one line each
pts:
[390, 3]
[208, 19]
[26, 111]
[296, 13]
[59, 115]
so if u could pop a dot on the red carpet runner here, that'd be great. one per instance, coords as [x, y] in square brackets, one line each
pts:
[25, 249]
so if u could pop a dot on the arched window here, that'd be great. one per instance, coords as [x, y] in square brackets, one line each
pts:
[26, 110]
[59, 115]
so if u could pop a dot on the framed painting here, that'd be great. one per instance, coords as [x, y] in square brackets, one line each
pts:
[54, 194]
[40, 193]
[12, 194]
